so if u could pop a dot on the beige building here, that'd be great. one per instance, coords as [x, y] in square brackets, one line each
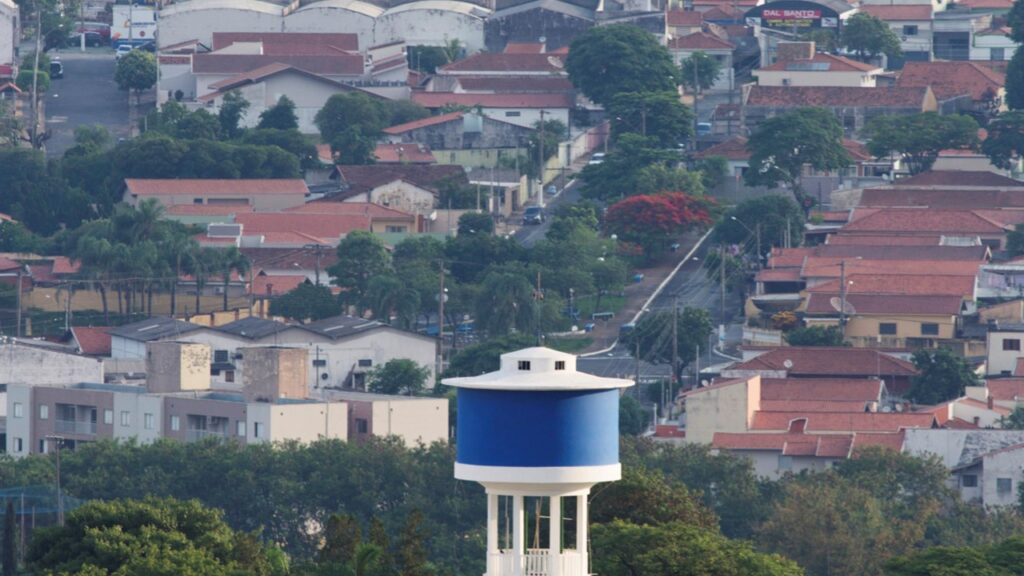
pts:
[269, 195]
[416, 420]
[818, 69]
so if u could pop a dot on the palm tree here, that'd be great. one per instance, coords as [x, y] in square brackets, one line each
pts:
[387, 294]
[178, 247]
[146, 218]
[97, 258]
[232, 260]
[505, 302]
[200, 263]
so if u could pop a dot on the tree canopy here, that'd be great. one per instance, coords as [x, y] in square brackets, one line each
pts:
[653, 333]
[361, 256]
[816, 336]
[280, 116]
[782, 145]
[1005, 140]
[653, 221]
[765, 215]
[867, 37]
[657, 115]
[306, 302]
[918, 138]
[941, 376]
[700, 71]
[136, 71]
[609, 60]
[398, 376]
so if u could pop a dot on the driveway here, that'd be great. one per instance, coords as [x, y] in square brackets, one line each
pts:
[530, 235]
[86, 95]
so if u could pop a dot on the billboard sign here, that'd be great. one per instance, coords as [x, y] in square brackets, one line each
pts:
[792, 14]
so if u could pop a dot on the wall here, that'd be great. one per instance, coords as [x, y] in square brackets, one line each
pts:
[791, 78]
[101, 400]
[177, 366]
[328, 17]
[864, 325]
[52, 300]
[999, 360]
[405, 197]
[21, 364]
[19, 427]
[418, 421]
[453, 136]
[983, 47]
[306, 422]
[138, 405]
[431, 27]
[8, 31]
[724, 409]
[527, 117]
[182, 22]
[181, 407]
[259, 202]
[518, 25]
[1008, 463]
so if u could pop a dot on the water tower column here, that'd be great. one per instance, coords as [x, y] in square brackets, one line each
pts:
[493, 553]
[518, 520]
[581, 532]
[555, 536]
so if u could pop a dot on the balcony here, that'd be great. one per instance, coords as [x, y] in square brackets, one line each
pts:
[74, 427]
[537, 562]
[199, 435]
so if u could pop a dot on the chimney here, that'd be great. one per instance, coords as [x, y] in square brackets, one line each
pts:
[792, 51]
[177, 367]
[991, 402]
[270, 373]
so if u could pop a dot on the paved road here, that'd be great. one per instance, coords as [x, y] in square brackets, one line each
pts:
[86, 95]
[530, 235]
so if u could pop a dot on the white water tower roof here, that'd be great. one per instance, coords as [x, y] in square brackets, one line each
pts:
[538, 369]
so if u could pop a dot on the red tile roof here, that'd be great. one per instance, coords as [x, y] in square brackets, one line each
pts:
[843, 421]
[524, 48]
[898, 12]
[919, 220]
[423, 123]
[818, 445]
[837, 96]
[839, 252]
[835, 64]
[685, 18]
[734, 148]
[340, 64]
[723, 12]
[817, 267]
[779, 275]
[811, 406]
[291, 42]
[947, 198]
[949, 79]
[826, 361]
[288, 259]
[362, 179]
[8, 264]
[923, 285]
[524, 100]
[215, 187]
[789, 257]
[700, 41]
[858, 390]
[64, 265]
[881, 240]
[986, 4]
[92, 341]
[321, 226]
[265, 285]
[502, 84]
[207, 209]
[375, 211]
[507, 63]
[403, 154]
[959, 178]
[884, 304]
[1006, 389]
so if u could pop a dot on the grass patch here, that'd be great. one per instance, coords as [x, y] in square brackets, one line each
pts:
[609, 303]
[568, 345]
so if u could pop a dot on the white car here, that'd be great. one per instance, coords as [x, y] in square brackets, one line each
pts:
[597, 158]
[121, 51]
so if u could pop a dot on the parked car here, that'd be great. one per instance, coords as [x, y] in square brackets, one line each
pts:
[92, 39]
[552, 190]
[100, 28]
[533, 215]
[56, 69]
[703, 128]
[122, 50]
[597, 158]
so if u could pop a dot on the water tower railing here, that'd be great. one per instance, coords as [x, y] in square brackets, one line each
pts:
[537, 562]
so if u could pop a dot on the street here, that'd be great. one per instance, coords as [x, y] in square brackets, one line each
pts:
[86, 95]
[530, 235]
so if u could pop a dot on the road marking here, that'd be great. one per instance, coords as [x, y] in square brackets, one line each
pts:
[57, 120]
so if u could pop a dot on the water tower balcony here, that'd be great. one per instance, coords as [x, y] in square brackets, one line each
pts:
[538, 562]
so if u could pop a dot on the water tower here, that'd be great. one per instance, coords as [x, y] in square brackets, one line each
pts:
[537, 435]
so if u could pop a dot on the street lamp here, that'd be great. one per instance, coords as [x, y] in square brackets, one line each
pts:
[757, 234]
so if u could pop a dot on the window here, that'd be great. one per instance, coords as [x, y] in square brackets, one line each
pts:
[785, 462]
[147, 421]
[42, 446]
[18, 445]
[240, 428]
[197, 200]
[126, 418]
[785, 81]
[512, 114]
[969, 481]
[997, 54]
[108, 416]
[220, 355]
[44, 412]
[524, 364]
[887, 328]
[1011, 344]
[229, 375]
[929, 329]
[175, 423]
[362, 425]
[396, 229]
[19, 409]
[365, 362]
[910, 30]
[1004, 485]
[559, 364]
[256, 429]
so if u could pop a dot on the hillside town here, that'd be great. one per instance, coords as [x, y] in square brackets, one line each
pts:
[512, 287]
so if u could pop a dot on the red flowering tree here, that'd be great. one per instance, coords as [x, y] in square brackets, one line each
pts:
[653, 221]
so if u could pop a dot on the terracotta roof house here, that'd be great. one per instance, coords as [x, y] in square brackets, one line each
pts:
[824, 362]
[410, 188]
[943, 198]
[898, 12]
[929, 222]
[289, 42]
[403, 154]
[683, 45]
[460, 131]
[90, 341]
[523, 109]
[959, 178]
[951, 80]
[821, 69]
[486, 63]
[261, 195]
[700, 41]
[734, 150]
[854, 107]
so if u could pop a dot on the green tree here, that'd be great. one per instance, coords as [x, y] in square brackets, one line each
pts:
[1013, 421]
[816, 336]
[676, 549]
[342, 535]
[426, 58]
[867, 37]
[199, 125]
[1005, 140]
[1015, 81]
[632, 419]
[620, 173]
[944, 561]
[231, 260]
[783, 145]
[941, 376]
[609, 60]
[399, 376]
[918, 138]
[351, 122]
[412, 552]
[24, 80]
[700, 72]
[767, 216]
[10, 565]
[647, 497]
[155, 537]
[291, 141]
[280, 116]
[361, 256]
[232, 110]
[506, 302]
[402, 111]
[136, 71]
[658, 115]
[1015, 20]
[653, 333]
[305, 302]
[388, 295]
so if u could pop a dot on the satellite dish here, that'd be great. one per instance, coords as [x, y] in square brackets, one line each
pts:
[787, 364]
[837, 305]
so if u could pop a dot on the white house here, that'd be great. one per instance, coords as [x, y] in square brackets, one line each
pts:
[8, 31]
[993, 44]
[1003, 349]
[985, 466]
[520, 109]
[819, 70]
[718, 49]
[912, 24]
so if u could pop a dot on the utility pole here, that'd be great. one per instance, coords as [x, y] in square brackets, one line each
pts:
[643, 120]
[58, 442]
[537, 297]
[675, 341]
[638, 367]
[17, 303]
[721, 275]
[318, 250]
[35, 83]
[757, 234]
[81, 25]
[696, 116]
[440, 325]
[540, 192]
[842, 297]
[696, 368]
[786, 242]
